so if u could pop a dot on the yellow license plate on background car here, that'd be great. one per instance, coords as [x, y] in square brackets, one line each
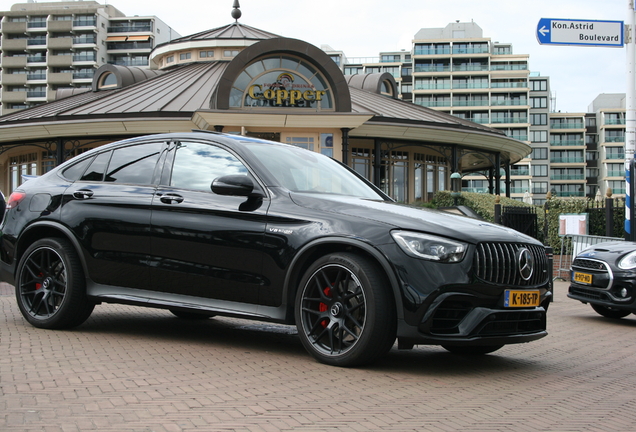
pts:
[584, 278]
[514, 298]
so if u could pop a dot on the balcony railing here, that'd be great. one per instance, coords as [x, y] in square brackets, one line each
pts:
[36, 76]
[432, 86]
[431, 51]
[567, 176]
[570, 194]
[470, 85]
[574, 159]
[432, 68]
[470, 102]
[470, 67]
[614, 173]
[433, 103]
[557, 125]
[615, 139]
[127, 29]
[520, 172]
[561, 143]
[509, 120]
[615, 156]
[500, 102]
[509, 85]
[612, 121]
[508, 67]
[474, 50]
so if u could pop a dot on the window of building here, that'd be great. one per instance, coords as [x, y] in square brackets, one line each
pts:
[407, 88]
[430, 175]
[538, 102]
[170, 59]
[361, 161]
[540, 187]
[539, 85]
[206, 54]
[538, 119]
[539, 170]
[24, 164]
[185, 56]
[304, 142]
[539, 136]
[539, 153]
[617, 186]
[407, 71]
[62, 18]
[352, 70]
[230, 53]
[372, 69]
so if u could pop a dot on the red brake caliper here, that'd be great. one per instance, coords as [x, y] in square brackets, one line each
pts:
[322, 307]
[38, 285]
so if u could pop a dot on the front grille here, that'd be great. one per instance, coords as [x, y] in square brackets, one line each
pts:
[497, 263]
[510, 323]
[588, 264]
[588, 294]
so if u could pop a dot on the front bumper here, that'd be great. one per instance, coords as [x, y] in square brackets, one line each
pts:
[463, 319]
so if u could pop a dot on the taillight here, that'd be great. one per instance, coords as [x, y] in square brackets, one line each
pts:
[15, 198]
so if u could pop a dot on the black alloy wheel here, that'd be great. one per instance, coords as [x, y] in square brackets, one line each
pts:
[50, 286]
[345, 311]
[610, 312]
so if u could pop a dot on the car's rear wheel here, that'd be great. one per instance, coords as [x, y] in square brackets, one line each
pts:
[609, 312]
[50, 286]
[191, 315]
[345, 312]
[471, 350]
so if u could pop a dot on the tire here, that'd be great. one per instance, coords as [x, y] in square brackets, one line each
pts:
[344, 311]
[50, 286]
[191, 315]
[610, 312]
[471, 350]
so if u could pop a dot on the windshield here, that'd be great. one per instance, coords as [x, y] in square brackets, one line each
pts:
[301, 170]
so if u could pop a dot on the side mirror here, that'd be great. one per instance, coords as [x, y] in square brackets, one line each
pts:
[234, 185]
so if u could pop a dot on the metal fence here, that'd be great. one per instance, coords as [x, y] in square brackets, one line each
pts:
[571, 246]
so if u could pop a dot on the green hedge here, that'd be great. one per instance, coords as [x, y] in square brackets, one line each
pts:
[484, 205]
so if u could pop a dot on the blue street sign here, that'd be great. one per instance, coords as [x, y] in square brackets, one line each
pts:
[580, 32]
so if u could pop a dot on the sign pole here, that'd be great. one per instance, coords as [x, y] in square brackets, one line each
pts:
[630, 119]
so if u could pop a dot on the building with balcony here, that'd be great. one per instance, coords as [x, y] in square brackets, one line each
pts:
[52, 45]
[243, 80]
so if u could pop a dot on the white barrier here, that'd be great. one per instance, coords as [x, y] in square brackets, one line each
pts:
[572, 245]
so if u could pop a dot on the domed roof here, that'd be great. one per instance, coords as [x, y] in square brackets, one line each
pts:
[233, 31]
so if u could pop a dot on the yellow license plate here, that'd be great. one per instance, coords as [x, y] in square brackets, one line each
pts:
[514, 298]
[583, 278]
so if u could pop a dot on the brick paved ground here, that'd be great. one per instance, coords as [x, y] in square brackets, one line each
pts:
[134, 369]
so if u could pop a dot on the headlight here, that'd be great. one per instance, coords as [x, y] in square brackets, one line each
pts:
[429, 247]
[628, 262]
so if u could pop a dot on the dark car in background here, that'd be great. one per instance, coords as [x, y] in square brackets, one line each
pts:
[205, 224]
[604, 275]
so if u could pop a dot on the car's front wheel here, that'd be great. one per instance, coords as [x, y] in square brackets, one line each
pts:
[609, 312]
[50, 286]
[345, 311]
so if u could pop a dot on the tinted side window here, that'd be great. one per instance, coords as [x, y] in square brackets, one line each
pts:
[95, 172]
[75, 171]
[134, 164]
[196, 165]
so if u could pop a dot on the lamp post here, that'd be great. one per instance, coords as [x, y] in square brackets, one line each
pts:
[456, 186]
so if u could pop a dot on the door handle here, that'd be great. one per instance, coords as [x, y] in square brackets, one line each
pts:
[171, 198]
[83, 194]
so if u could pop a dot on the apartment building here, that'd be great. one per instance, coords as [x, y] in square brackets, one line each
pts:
[457, 70]
[53, 45]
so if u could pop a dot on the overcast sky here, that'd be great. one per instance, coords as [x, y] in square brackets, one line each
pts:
[363, 28]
